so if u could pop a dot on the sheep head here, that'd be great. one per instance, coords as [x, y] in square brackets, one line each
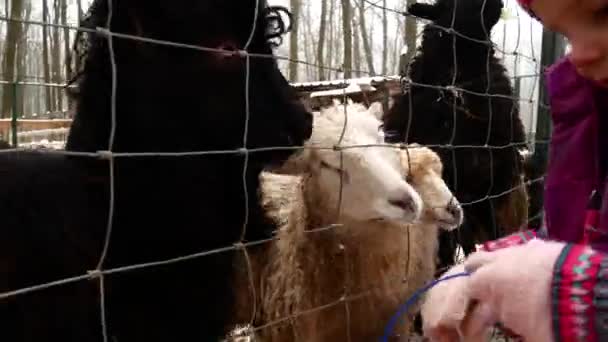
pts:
[424, 172]
[346, 152]
[473, 18]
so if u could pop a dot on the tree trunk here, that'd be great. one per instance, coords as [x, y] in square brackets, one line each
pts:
[57, 65]
[338, 51]
[72, 60]
[22, 49]
[13, 33]
[79, 9]
[348, 36]
[66, 47]
[306, 35]
[356, 51]
[321, 44]
[369, 57]
[332, 37]
[45, 54]
[384, 38]
[293, 41]
[410, 42]
[311, 45]
[395, 54]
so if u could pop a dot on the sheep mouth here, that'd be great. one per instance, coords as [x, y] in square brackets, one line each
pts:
[448, 224]
[406, 206]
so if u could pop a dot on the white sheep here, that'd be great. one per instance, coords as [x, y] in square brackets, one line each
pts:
[315, 284]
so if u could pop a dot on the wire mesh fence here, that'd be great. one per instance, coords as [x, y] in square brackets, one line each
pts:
[454, 91]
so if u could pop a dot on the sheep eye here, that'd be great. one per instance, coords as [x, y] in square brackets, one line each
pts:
[409, 178]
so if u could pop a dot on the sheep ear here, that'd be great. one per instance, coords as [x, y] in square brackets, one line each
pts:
[376, 110]
[425, 11]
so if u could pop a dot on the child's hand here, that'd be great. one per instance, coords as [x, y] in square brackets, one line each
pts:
[445, 306]
[513, 286]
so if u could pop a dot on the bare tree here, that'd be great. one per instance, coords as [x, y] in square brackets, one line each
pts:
[45, 53]
[79, 9]
[56, 60]
[348, 36]
[384, 37]
[22, 47]
[410, 35]
[337, 52]
[321, 43]
[13, 33]
[293, 41]
[66, 45]
[396, 53]
[332, 36]
[369, 57]
[308, 45]
[356, 50]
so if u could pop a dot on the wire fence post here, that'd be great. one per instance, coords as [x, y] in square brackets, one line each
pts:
[553, 48]
[14, 126]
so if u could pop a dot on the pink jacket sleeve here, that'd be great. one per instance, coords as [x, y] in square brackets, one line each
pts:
[579, 289]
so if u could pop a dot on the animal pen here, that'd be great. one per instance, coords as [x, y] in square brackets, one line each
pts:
[26, 126]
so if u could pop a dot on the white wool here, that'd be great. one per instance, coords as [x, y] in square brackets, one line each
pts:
[379, 262]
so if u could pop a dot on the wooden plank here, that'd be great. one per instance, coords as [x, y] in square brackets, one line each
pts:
[32, 125]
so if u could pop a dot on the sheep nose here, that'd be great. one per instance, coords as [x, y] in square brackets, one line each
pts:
[406, 204]
[455, 210]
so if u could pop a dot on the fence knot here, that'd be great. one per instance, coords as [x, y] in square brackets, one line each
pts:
[107, 155]
[239, 245]
[455, 91]
[240, 53]
[94, 274]
[103, 31]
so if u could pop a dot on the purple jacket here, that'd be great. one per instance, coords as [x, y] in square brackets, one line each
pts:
[579, 112]
[574, 165]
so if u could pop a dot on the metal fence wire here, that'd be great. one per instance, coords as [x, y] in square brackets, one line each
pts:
[100, 272]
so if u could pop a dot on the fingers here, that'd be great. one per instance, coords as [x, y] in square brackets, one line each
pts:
[483, 280]
[443, 334]
[478, 320]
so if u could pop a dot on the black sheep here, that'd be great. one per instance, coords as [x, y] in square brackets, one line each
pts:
[54, 208]
[443, 116]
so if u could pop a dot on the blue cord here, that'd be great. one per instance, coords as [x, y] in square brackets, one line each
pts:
[405, 307]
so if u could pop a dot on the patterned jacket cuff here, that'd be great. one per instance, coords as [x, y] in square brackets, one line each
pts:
[510, 240]
[579, 295]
